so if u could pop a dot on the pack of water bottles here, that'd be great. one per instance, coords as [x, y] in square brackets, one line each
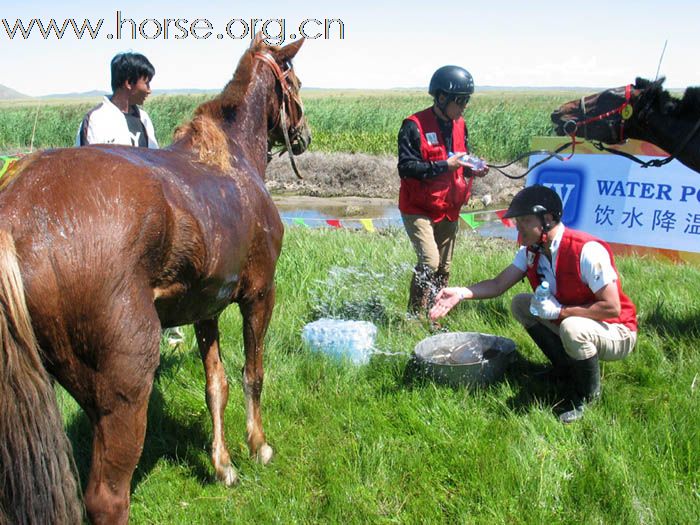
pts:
[353, 340]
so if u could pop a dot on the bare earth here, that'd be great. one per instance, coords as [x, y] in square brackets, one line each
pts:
[372, 179]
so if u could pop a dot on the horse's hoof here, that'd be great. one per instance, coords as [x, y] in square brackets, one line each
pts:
[265, 454]
[228, 476]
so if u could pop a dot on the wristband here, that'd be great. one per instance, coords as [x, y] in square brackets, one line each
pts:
[462, 294]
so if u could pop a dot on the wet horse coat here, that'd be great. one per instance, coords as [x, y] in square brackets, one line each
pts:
[113, 243]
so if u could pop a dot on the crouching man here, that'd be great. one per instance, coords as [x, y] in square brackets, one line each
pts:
[586, 318]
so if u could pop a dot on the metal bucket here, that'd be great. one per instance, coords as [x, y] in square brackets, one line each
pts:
[464, 358]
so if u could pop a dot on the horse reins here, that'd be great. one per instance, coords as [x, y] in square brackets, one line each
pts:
[293, 104]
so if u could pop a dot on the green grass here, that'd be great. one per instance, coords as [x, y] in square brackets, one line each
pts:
[361, 445]
[500, 123]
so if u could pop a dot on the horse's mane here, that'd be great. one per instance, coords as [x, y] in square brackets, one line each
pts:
[689, 105]
[205, 129]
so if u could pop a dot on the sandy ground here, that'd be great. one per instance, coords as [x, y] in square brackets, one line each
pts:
[362, 176]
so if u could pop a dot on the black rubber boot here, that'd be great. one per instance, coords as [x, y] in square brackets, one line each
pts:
[553, 349]
[420, 294]
[585, 377]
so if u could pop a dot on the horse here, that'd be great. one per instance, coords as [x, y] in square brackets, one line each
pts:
[103, 246]
[643, 111]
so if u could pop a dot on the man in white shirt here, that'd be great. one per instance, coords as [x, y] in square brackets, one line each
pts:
[585, 318]
[119, 119]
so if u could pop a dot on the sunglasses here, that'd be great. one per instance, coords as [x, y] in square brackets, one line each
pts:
[461, 100]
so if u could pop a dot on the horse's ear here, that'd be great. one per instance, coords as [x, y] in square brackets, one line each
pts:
[257, 41]
[289, 51]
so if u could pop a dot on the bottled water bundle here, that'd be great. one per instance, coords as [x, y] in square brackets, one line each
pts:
[353, 340]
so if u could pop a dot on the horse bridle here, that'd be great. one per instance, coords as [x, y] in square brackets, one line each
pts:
[625, 111]
[294, 105]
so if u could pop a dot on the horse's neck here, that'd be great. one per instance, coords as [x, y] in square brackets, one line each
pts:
[669, 132]
[248, 133]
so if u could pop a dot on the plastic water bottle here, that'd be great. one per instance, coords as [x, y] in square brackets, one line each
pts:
[474, 162]
[541, 293]
[353, 340]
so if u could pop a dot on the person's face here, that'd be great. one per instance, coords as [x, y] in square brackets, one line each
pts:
[138, 91]
[530, 229]
[455, 106]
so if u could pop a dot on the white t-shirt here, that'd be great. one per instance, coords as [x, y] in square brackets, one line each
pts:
[595, 265]
[105, 124]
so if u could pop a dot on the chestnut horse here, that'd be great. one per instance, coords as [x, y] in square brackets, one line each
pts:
[643, 111]
[103, 246]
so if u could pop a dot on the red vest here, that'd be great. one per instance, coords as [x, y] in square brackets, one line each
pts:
[571, 290]
[441, 196]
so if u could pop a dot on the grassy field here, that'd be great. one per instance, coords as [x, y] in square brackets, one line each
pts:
[363, 445]
[500, 123]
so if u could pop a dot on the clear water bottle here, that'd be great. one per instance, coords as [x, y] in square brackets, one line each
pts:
[474, 162]
[353, 340]
[541, 293]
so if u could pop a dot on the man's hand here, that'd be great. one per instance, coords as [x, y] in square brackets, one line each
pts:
[445, 300]
[479, 173]
[548, 308]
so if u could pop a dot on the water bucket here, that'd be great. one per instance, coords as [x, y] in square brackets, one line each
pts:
[464, 358]
[353, 340]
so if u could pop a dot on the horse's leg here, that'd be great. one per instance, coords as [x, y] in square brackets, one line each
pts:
[256, 312]
[217, 396]
[129, 356]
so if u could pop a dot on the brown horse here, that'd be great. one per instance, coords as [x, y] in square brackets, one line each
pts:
[109, 244]
[643, 111]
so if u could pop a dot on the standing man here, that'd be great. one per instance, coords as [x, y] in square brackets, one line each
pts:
[119, 119]
[586, 317]
[434, 185]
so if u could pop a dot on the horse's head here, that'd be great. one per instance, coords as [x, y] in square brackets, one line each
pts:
[287, 123]
[608, 115]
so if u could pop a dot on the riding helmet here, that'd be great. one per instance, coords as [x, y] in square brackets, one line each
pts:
[535, 200]
[452, 80]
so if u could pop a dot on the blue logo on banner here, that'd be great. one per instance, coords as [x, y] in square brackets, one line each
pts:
[567, 183]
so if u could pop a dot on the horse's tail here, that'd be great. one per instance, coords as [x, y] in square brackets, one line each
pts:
[37, 474]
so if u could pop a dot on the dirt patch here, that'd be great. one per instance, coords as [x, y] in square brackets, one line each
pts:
[370, 176]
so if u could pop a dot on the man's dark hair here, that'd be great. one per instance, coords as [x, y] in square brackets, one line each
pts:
[131, 67]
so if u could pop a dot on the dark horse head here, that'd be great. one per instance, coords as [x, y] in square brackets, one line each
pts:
[610, 115]
[643, 111]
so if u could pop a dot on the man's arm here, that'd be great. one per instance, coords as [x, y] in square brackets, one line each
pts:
[411, 163]
[448, 298]
[606, 305]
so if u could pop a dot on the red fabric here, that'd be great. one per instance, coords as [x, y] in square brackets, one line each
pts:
[571, 290]
[442, 196]
[333, 222]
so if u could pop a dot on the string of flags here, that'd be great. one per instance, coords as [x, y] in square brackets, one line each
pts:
[472, 219]
[5, 163]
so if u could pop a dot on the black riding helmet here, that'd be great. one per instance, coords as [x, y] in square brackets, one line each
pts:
[451, 80]
[536, 200]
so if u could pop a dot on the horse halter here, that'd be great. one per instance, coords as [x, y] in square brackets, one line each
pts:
[294, 105]
[624, 111]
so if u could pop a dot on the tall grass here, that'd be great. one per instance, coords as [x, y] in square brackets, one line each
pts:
[500, 123]
[361, 445]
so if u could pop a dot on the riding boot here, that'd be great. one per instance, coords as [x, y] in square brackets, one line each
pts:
[442, 279]
[585, 377]
[419, 297]
[553, 349]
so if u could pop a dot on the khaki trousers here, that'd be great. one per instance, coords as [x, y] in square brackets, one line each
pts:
[582, 337]
[434, 242]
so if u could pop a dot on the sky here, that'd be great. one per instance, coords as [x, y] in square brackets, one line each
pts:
[394, 44]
